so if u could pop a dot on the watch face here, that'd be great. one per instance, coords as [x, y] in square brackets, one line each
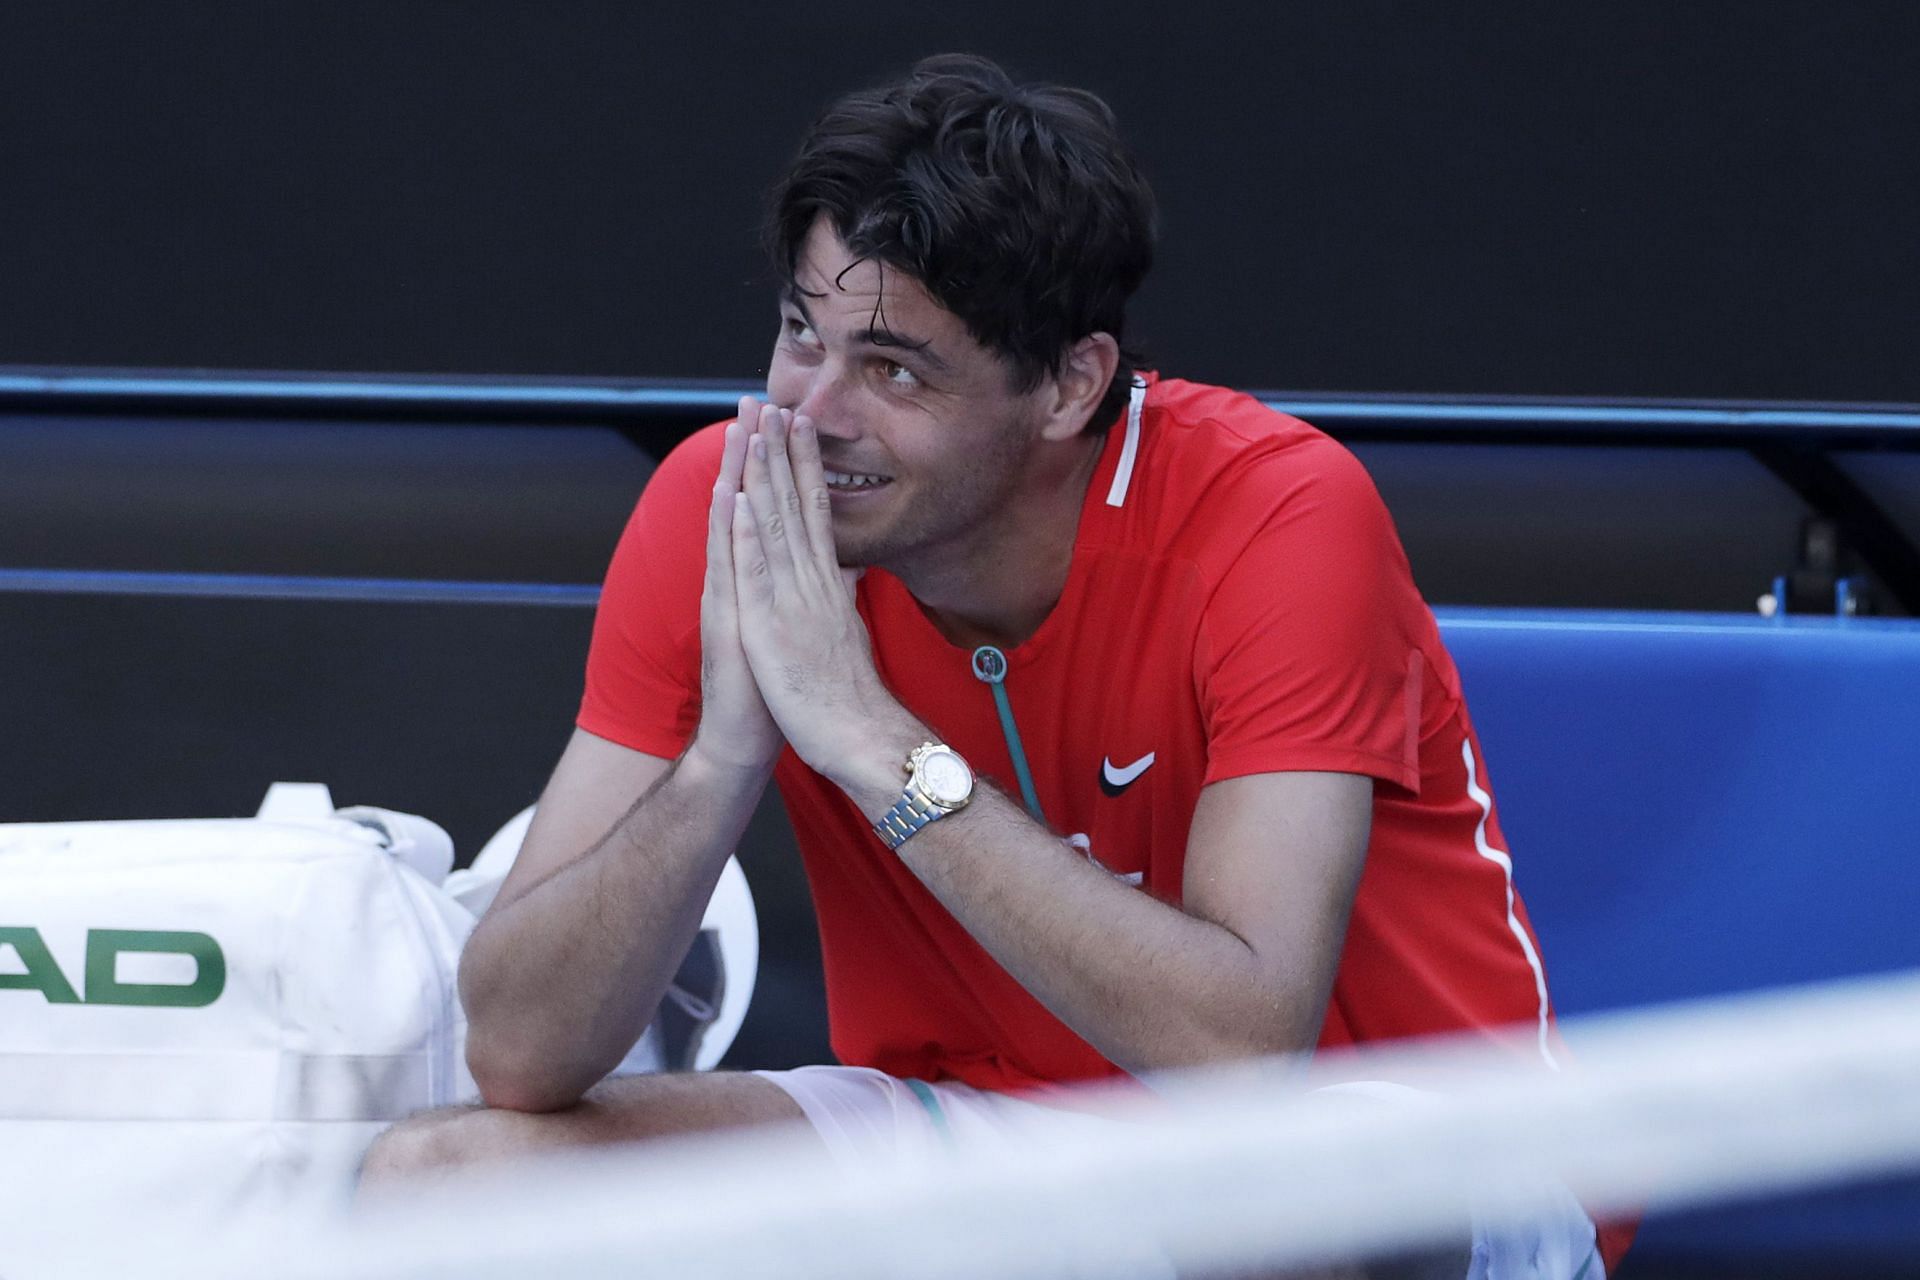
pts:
[946, 777]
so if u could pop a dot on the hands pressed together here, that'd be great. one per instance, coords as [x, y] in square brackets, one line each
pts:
[784, 653]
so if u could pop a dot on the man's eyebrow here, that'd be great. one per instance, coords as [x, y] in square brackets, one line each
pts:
[874, 335]
[922, 347]
[796, 297]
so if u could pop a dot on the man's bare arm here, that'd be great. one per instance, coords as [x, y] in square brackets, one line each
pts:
[562, 975]
[1244, 968]
[571, 961]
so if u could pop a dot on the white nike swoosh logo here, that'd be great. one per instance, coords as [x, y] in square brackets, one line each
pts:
[1124, 775]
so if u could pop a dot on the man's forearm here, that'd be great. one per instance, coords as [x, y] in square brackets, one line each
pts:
[1146, 984]
[559, 982]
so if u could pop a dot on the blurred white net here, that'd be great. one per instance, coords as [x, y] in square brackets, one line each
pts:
[1221, 1172]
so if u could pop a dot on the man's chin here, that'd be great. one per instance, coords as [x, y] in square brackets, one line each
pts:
[853, 553]
[856, 548]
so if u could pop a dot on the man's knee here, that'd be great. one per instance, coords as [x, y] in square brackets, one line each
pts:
[628, 1109]
[422, 1146]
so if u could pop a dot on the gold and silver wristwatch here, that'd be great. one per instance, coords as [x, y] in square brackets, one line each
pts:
[939, 782]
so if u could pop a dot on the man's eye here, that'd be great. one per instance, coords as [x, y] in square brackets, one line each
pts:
[898, 374]
[799, 330]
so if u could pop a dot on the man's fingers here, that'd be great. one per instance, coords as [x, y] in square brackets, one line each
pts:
[727, 498]
[733, 454]
[786, 497]
[752, 578]
[770, 520]
[719, 583]
[810, 479]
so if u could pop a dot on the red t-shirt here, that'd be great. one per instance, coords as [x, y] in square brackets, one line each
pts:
[1238, 603]
[1244, 606]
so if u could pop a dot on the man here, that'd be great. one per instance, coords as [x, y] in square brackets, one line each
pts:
[1113, 730]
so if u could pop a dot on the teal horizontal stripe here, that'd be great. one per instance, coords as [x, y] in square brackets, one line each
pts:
[1569, 621]
[246, 586]
[1648, 417]
[549, 396]
[252, 586]
[534, 397]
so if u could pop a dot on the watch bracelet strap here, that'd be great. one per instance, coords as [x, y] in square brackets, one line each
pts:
[912, 811]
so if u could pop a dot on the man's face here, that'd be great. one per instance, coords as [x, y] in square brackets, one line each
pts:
[922, 435]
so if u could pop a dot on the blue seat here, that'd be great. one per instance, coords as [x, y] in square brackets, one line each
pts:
[1706, 804]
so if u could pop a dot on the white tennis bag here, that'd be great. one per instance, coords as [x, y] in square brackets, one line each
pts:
[217, 1015]
[203, 1018]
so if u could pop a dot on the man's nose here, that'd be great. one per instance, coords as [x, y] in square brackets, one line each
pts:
[823, 399]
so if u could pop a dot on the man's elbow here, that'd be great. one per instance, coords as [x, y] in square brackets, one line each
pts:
[516, 1080]
[514, 1068]
[1286, 1024]
[1242, 1035]
[1247, 1044]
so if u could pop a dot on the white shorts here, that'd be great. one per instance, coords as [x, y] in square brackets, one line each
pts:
[859, 1112]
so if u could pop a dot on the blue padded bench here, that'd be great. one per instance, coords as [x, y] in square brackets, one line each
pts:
[1707, 804]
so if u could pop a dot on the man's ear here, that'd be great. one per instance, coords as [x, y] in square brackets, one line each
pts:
[1078, 388]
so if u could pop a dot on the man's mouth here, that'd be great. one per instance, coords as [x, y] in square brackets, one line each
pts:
[854, 481]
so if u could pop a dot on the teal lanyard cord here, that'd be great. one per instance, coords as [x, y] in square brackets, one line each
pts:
[938, 1114]
[990, 666]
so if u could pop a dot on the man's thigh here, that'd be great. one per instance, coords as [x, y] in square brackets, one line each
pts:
[624, 1109]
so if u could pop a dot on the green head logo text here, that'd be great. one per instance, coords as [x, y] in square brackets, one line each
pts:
[103, 985]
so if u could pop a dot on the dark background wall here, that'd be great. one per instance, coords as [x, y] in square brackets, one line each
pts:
[1655, 199]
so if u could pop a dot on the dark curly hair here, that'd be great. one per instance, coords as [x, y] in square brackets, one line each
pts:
[1018, 208]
